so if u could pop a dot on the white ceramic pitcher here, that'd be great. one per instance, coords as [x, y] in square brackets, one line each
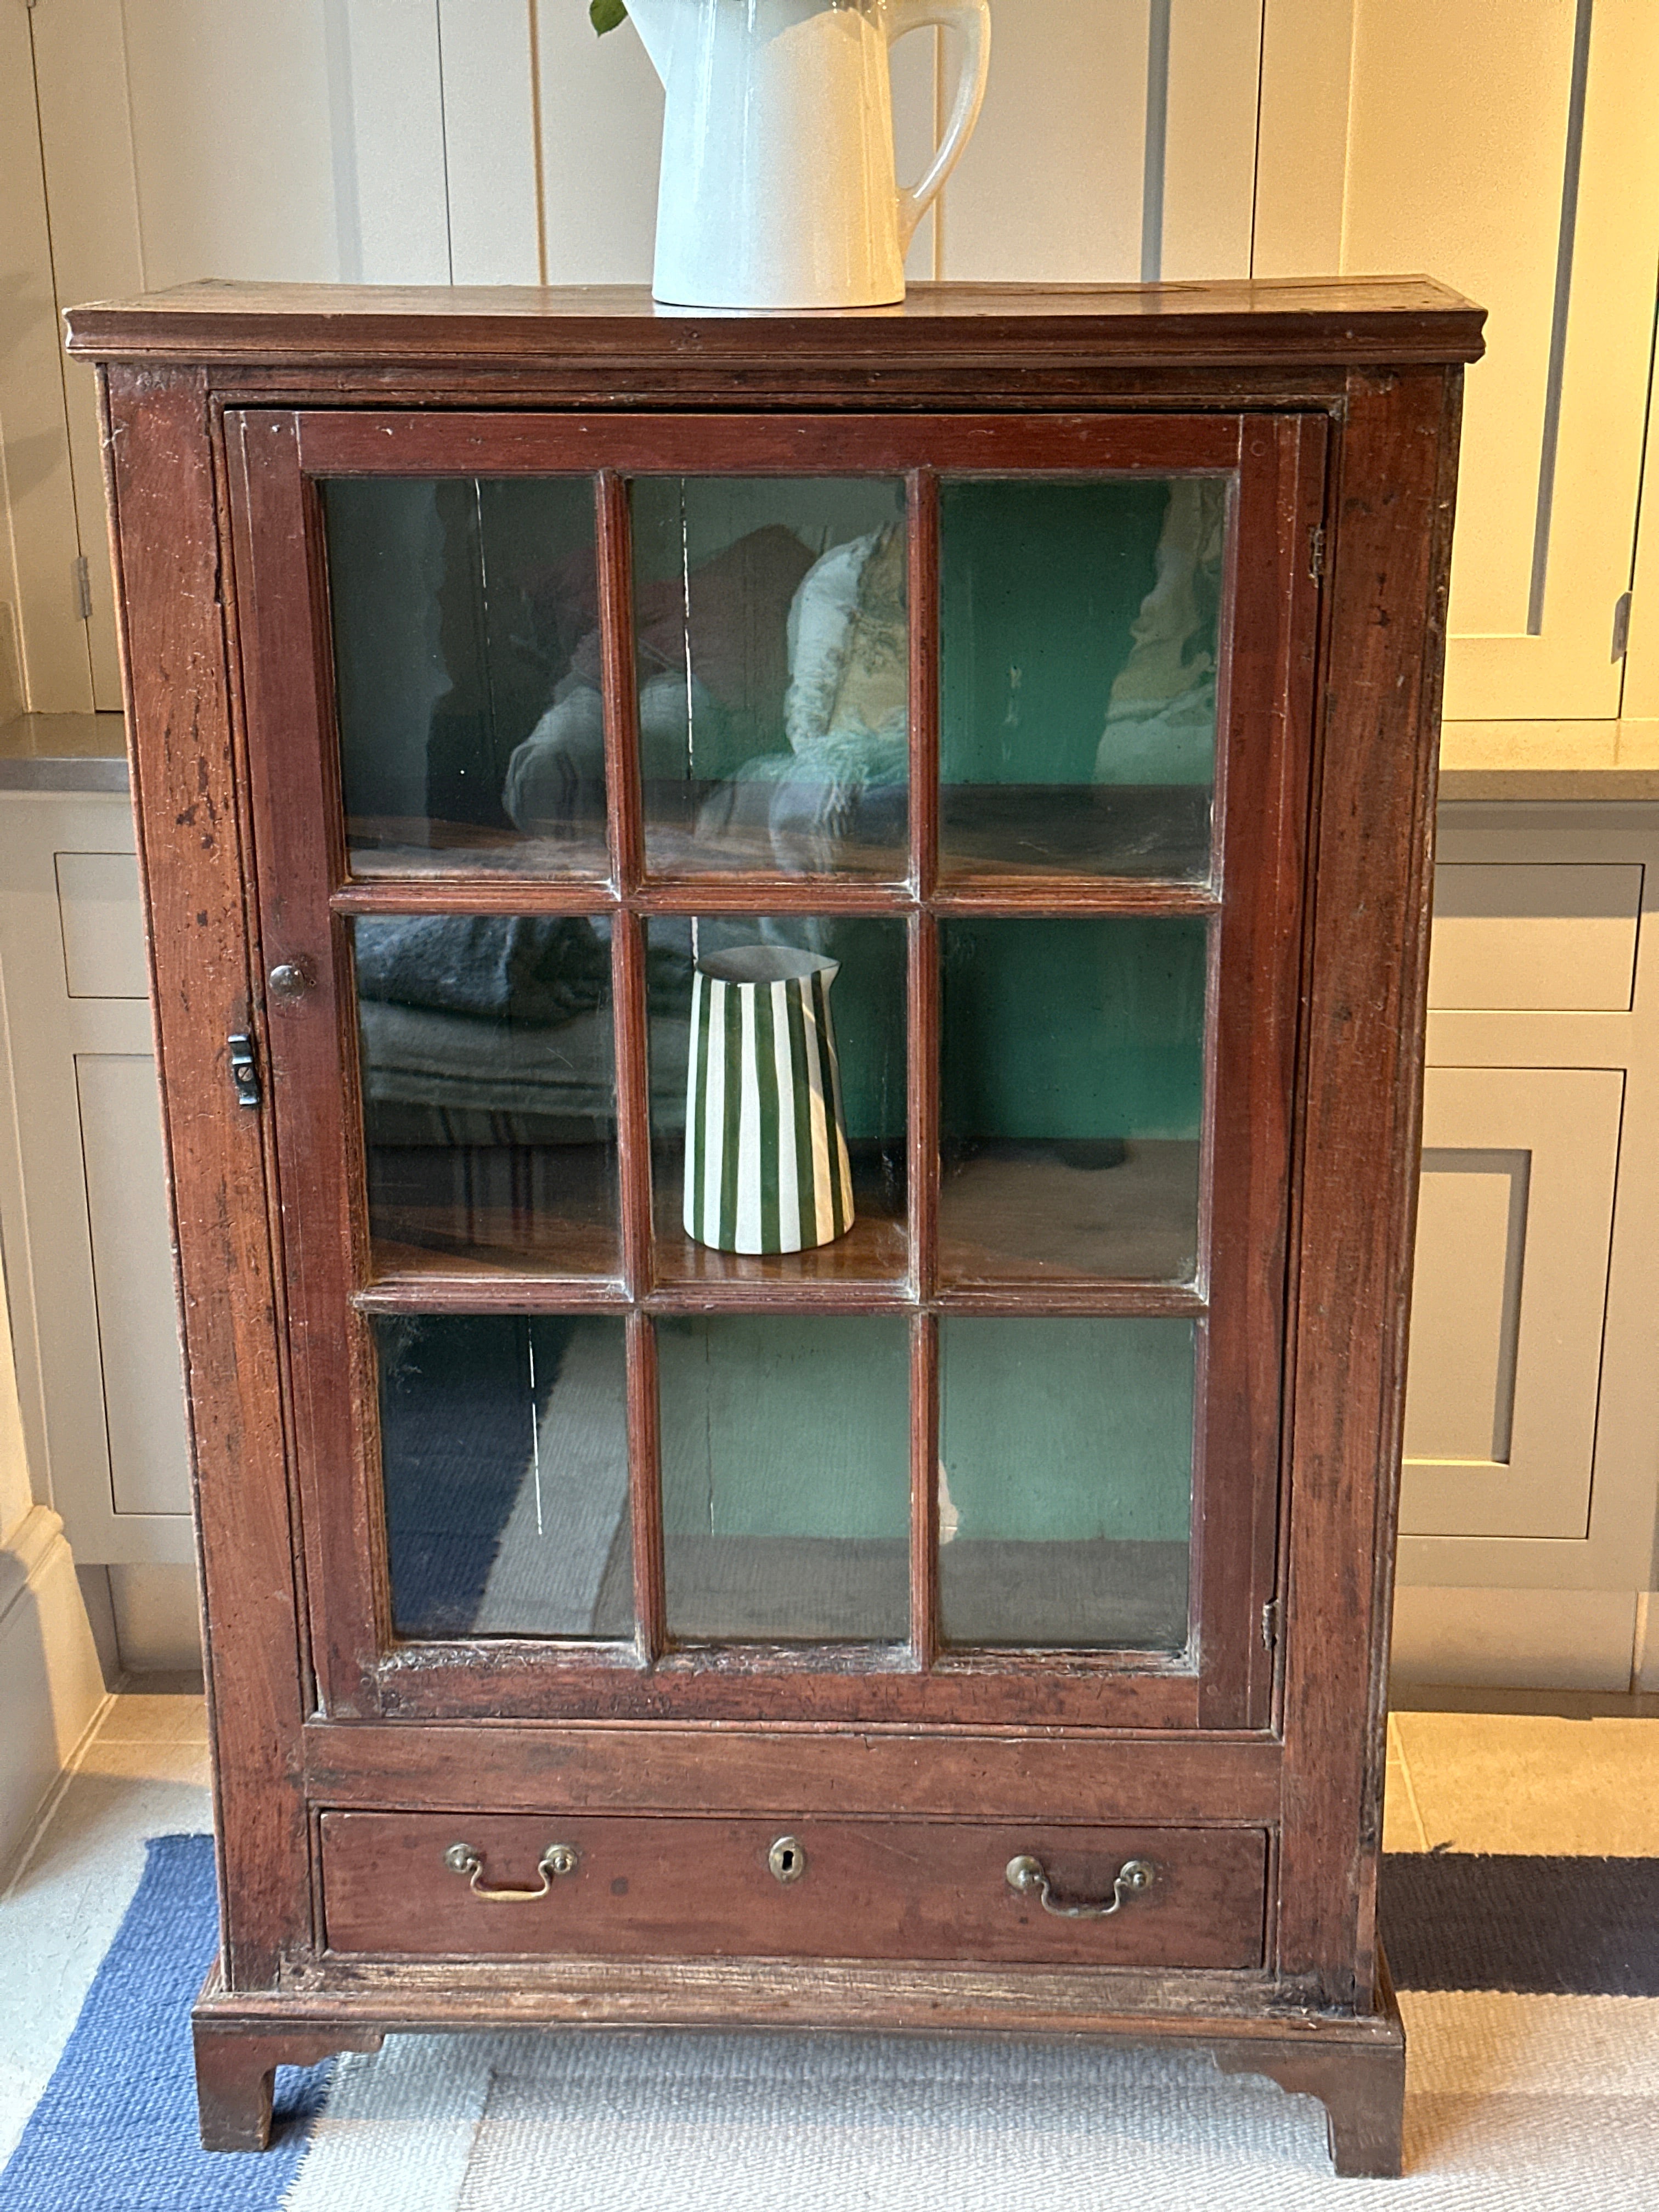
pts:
[778, 187]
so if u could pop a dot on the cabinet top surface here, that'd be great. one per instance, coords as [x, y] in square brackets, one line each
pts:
[1387, 319]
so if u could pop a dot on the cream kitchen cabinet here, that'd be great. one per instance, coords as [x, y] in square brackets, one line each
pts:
[88, 1269]
[1532, 1439]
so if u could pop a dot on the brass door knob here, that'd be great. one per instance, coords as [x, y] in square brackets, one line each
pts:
[291, 979]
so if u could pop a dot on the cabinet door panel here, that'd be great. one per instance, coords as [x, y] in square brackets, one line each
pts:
[1482, 146]
[1065, 1066]
[103, 927]
[1528, 938]
[132, 1281]
[1514, 1224]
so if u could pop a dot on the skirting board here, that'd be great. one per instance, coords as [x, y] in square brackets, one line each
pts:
[158, 1619]
[53, 1685]
[1517, 1639]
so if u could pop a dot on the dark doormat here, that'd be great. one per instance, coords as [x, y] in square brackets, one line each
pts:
[1578, 1927]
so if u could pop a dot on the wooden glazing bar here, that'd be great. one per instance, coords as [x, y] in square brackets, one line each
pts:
[924, 1490]
[631, 1032]
[490, 1292]
[922, 999]
[826, 1297]
[922, 493]
[738, 891]
[458, 894]
[622, 805]
[741, 893]
[1070, 895]
[644, 1489]
[1173, 1301]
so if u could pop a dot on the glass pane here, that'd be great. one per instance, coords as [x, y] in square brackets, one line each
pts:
[774, 673]
[1066, 1481]
[761, 1117]
[1079, 638]
[490, 1089]
[504, 1455]
[466, 672]
[1071, 1099]
[786, 1476]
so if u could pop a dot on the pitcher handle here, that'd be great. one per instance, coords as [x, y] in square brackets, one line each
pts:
[973, 19]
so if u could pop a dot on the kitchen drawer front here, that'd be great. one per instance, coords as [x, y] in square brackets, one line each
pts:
[706, 1887]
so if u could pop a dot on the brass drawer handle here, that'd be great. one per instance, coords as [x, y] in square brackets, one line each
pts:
[1026, 1875]
[557, 1859]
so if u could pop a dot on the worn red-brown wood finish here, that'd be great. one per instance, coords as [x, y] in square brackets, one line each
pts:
[1246, 1772]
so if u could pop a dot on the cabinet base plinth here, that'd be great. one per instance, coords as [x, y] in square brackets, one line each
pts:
[1355, 2065]
[236, 2069]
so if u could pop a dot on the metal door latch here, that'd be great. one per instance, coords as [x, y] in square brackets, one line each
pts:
[244, 1068]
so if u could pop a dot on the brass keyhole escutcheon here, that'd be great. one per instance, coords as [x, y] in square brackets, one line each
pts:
[787, 1858]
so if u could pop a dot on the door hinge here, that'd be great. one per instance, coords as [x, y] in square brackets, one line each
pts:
[1316, 553]
[244, 1068]
[1620, 626]
[83, 588]
[1270, 1623]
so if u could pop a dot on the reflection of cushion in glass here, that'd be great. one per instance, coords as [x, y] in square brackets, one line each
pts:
[521, 968]
[1160, 721]
[848, 650]
[1166, 742]
[556, 778]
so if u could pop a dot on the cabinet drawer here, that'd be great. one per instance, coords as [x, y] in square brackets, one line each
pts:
[898, 1889]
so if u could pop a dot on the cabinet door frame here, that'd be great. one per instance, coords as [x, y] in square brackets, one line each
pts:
[1256, 900]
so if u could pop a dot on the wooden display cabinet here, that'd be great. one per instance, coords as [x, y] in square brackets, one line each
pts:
[603, 1628]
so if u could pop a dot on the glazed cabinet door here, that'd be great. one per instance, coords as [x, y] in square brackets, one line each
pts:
[783, 938]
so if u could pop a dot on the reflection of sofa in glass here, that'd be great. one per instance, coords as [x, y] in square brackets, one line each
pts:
[489, 1077]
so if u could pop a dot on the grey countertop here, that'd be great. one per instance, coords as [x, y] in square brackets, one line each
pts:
[1550, 760]
[63, 752]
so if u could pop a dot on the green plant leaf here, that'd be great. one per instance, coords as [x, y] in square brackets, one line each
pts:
[606, 14]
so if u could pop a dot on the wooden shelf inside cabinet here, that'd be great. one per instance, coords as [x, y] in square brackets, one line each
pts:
[977, 655]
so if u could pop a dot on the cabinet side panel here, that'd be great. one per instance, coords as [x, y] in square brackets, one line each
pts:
[1391, 520]
[164, 507]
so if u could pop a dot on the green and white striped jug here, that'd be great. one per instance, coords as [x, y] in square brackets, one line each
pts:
[766, 1164]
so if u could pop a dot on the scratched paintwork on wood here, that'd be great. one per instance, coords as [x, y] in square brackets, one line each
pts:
[164, 498]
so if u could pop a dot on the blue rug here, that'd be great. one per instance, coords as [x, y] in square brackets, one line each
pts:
[116, 2129]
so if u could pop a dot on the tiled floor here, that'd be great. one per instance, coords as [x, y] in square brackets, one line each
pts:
[1523, 1781]
[1475, 1782]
